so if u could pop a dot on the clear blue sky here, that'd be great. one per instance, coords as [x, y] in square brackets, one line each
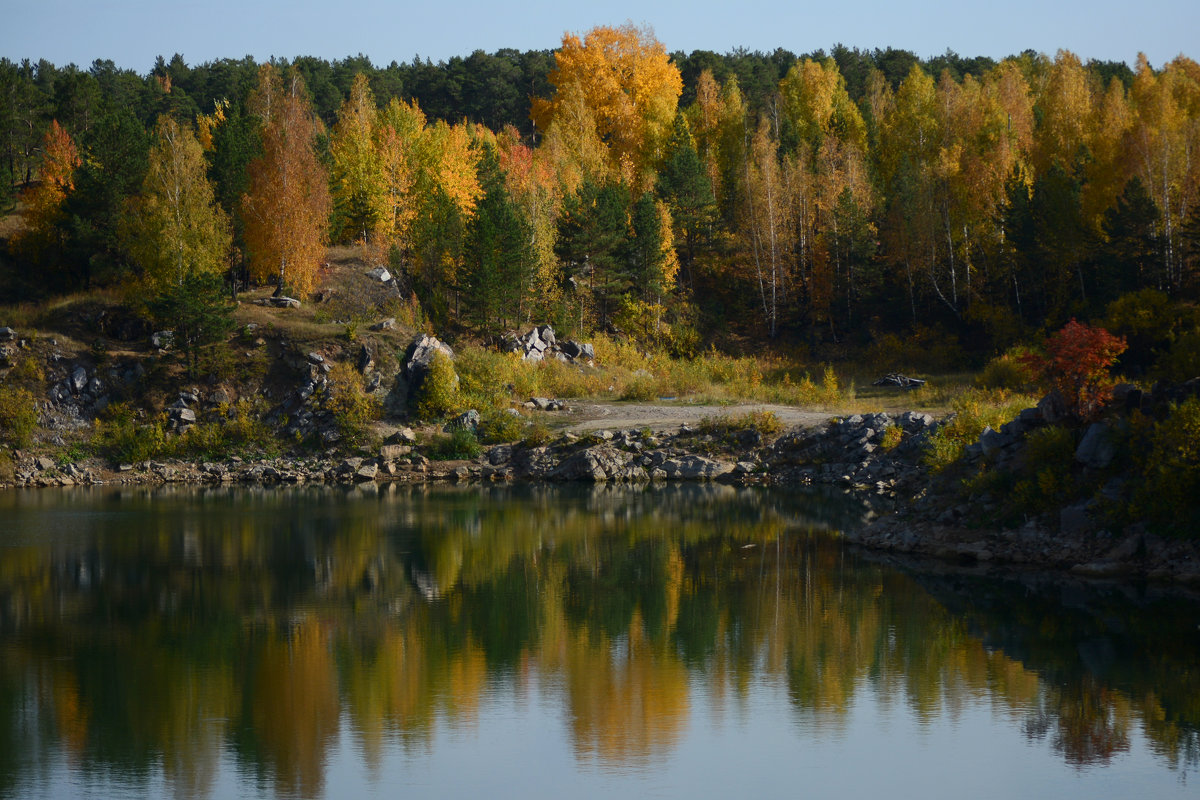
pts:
[133, 32]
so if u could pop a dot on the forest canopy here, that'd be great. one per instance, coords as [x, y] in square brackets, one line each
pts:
[824, 198]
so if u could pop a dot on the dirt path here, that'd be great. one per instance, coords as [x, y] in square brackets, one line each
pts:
[623, 416]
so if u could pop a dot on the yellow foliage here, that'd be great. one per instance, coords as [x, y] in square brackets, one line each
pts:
[623, 79]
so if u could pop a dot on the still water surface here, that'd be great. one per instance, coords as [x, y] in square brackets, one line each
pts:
[535, 642]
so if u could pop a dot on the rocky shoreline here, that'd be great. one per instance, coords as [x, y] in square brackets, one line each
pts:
[876, 456]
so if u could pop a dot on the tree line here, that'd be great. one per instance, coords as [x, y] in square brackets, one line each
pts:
[610, 184]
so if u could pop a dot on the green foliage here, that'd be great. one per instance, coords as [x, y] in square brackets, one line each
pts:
[27, 371]
[726, 425]
[353, 409]
[1009, 371]
[198, 311]
[18, 415]
[923, 349]
[438, 395]
[460, 444]
[501, 426]
[499, 258]
[240, 431]
[1182, 361]
[1046, 480]
[642, 386]
[1169, 474]
[119, 436]
[973, 411]
[538, 435]
[892, 436]
[1148, 320]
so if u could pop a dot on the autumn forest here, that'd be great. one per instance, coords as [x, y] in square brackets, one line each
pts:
[821, 200]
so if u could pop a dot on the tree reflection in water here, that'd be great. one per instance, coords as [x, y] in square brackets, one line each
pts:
[157, 630]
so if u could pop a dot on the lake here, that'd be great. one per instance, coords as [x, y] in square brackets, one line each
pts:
[533, 641]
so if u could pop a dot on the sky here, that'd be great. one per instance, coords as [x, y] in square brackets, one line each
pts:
[133, 32]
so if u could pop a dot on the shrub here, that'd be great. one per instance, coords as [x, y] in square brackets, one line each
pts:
[18, 415]
[1170, 474]
[1182, 361]
[538, 435]
[501, 426]
[892, 436]
[28, 371]
[1046, 479]
[438, 393]
[241, 431]
[122, 439]
[353, 409]
[1010, 371]
[642, 386]
[973, 411]
[765, 422]
[1076, 365]
[460, 444]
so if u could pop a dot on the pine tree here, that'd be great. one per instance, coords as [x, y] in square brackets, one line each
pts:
[684, 185]
[498, 261]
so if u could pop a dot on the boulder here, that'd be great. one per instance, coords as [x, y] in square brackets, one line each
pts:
[402, 436]
[468, 420]
[1096, 449]
[379, 274]
[391, 452]
[1053, 408]
[592, 465]
[385, 324]
[420, 357]
[7, 334]
[79, 379]
[366, 359]
[692, 467]
[278, 302]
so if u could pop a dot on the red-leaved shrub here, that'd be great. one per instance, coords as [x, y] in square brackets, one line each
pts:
[1076, 364]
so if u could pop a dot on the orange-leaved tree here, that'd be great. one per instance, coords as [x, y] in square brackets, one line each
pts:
[286, 210]
[44, 201]
[1076, 365]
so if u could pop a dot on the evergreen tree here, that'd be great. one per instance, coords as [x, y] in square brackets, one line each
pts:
[646, 249]
[115, 159]
[684, 185]
[498, 260]
[592, 233]
[1129, 260]
[199, 313]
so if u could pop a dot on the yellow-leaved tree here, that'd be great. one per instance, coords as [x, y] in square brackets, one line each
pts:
[626, 81]
[360, 166]
[180, 228]
[286, 210]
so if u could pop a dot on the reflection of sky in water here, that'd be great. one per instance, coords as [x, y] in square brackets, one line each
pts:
[678, 643]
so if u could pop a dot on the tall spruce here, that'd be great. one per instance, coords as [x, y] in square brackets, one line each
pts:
[498, 261]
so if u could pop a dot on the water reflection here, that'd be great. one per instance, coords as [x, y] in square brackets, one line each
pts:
[162, 633]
